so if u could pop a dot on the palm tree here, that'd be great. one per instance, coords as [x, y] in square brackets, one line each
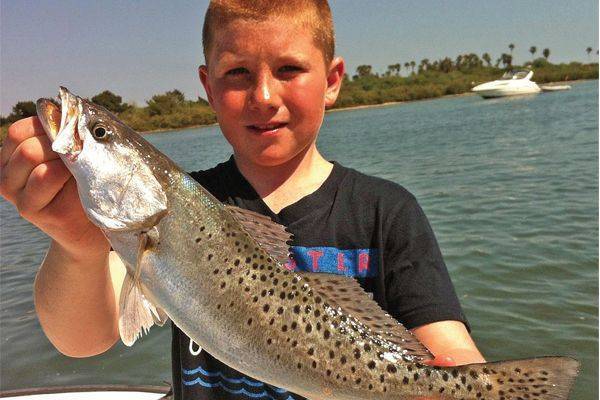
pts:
[511, 47]
[424, 65]
[589, 51]
[406, 65]
[412, 66]
[363, 70]
[397, 68]
[532, 50]
[546, 53]
[486, 57]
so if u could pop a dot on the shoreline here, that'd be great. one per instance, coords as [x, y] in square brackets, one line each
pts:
[363, 106]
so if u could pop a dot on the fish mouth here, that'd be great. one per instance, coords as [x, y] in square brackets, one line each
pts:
[60, 120]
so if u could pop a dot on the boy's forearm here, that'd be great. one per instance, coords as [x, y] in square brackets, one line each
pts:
[75, 302]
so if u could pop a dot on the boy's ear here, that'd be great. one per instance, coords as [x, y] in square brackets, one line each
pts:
[203, 74]
[335, 77]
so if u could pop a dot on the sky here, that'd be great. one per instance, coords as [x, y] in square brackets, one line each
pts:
[140, 48]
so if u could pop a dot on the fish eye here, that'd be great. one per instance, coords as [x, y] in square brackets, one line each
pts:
[100, 132]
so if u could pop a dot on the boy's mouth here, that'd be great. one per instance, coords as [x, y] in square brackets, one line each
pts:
[266, 128]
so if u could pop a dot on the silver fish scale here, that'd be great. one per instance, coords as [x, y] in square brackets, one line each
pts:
[250, 312]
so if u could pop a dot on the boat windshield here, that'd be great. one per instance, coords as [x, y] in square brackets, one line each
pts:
[514, 75]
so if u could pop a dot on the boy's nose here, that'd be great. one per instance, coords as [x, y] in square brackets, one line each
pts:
[265, 93]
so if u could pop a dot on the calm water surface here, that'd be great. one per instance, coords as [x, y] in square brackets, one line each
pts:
[509, 185]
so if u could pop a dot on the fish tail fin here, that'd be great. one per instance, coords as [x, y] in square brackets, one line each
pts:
[543, 378]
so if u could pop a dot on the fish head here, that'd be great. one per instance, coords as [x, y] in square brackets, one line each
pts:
[116, 182]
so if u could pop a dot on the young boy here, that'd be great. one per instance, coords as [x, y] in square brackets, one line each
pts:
[270, 73]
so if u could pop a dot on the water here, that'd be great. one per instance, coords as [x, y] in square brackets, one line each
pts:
[510, 188]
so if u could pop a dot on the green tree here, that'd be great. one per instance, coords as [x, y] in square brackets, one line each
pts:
[110, 101]
[506, 60]
[412, 66]
[511, 47]
[22, 109]
[364, 70]
[167, 103]
[532, 50]
[588, 51]
[406, 66]
[486, 57]
[546, 53]
[424, 65]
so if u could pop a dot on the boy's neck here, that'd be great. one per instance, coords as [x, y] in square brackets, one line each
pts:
[282, 185]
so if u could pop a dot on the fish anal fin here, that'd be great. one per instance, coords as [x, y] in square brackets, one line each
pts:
[271, 236]
[347, 294]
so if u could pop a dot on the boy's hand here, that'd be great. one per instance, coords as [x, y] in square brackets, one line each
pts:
[35, 180]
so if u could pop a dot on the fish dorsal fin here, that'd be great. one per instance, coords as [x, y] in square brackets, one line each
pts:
[272, 236]
[136, 313]
[347, 294]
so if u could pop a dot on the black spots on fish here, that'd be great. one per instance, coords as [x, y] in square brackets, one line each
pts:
[269, 341]
[331, 354]
[469, 387]
[290, 296]
[272, 321]
[263, 277]
[294, 343]
[223, 285]
[478, 395]
[427, 372]
[236, 262]
[198, 240]
[266, 308]
[318, 326]
[371, 365]
[445, 376]
[284, 328]
[405, 380]
[343, 360]
[442, 390]
[304, 299]
[282, 295]
[326, 334]
[248, 260]
[255, 299]
[328, 372]
[210, 257]
[370, 386]
[285, 284]
[294, 325]
[391, 369]
[311, 351]
[455, 373]
[296, 309]
[253, 276]
[463, 379]
[249, 322]
[317, 313]
[357, 381]
[338, 343]
[263, 293]
[216, 271]
[381, 378]
[473, 374]
[275, 281]
[308, 328]
[353, 369]
[241, 280]
[488, 387]
[314, 364]
[254, 266]
[271, 274]
[457, 386]
[202, 228]
[210, 235]
[278, 356]
[416, 376]
[218, 306]
[318, 299]
[270, 292]
[280, 310]
[367, 347]
[299, 366]
[246, 289]
[228, 272]
[307, 309]
[356, 353]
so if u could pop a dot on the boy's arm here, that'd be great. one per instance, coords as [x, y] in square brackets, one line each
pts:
[450, 342]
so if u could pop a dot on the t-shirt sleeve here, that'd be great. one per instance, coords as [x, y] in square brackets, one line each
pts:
[418, 287]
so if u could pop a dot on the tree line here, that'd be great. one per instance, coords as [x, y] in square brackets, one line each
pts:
[427, 79]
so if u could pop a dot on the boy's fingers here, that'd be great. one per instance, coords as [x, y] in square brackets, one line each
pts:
[441, 361]
[43, 184]
[17, 133]
[28, 155]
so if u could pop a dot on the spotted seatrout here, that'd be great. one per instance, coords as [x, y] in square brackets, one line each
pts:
[217, 272]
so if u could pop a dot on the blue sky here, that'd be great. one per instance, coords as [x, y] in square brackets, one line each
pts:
[140, 48]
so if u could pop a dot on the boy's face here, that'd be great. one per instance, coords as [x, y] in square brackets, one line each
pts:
[269, 86]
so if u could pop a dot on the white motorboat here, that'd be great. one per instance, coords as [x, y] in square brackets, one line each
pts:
[511, 84]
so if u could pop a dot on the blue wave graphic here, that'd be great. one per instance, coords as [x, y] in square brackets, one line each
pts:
[224, 378]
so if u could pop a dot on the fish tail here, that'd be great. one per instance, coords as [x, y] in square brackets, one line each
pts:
[543, 378]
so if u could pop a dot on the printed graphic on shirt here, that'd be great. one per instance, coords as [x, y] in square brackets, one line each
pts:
[359, 263]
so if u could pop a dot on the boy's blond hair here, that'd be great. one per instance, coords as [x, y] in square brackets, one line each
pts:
[313, 14]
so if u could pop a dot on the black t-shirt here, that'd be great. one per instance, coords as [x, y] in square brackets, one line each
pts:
[354, 225]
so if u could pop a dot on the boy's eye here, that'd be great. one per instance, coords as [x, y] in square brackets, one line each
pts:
[237, 71]
[289, 68]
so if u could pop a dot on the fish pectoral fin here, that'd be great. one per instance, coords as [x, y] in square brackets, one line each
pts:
[346, 294]
[136, 313]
